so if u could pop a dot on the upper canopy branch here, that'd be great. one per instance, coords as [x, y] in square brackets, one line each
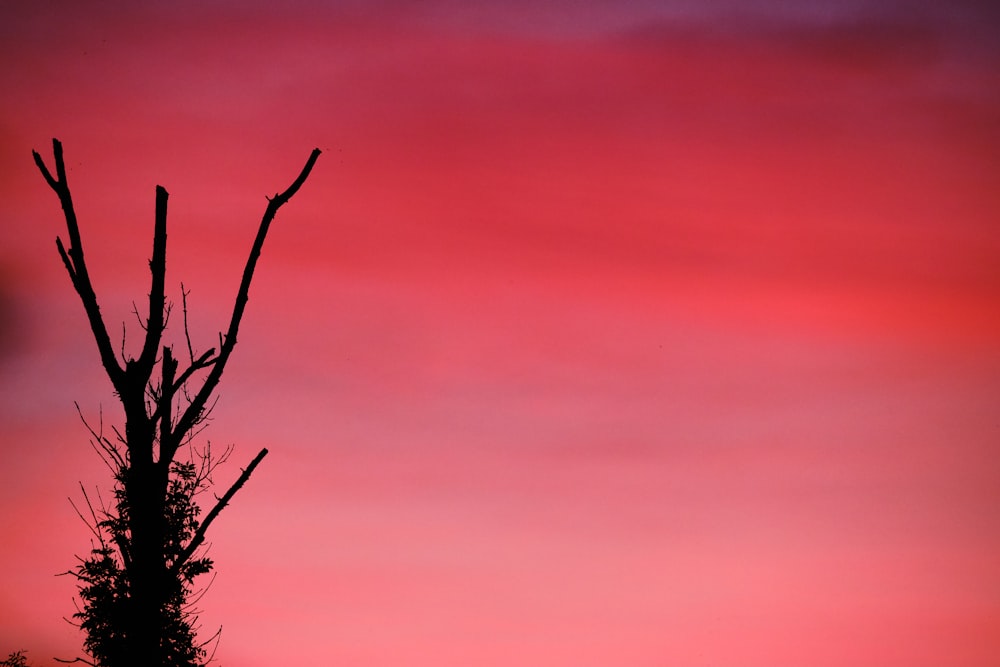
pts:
[228, 342]
[76, 266]
[157, 299]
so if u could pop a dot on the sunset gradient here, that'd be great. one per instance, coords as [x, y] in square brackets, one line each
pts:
[638, 334]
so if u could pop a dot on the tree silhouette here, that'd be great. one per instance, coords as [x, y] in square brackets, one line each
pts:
[136, 584]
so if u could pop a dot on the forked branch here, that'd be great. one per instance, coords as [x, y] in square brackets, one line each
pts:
[76, 266]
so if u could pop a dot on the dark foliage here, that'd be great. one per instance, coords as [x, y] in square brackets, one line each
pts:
[15, 659]
[104, 581]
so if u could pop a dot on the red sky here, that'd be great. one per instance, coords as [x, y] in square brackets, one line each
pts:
[665, 334]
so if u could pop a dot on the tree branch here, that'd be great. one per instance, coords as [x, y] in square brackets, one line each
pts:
[204, 361]
[197, 405]
[70, 662]
[76, 266]
[187, 331]
[157, 300]
[109, 454]
[199, 535]
[164, 405]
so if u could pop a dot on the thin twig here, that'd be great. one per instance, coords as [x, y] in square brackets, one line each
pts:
[187, 332]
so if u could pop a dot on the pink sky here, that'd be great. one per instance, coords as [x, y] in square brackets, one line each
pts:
[667, 335]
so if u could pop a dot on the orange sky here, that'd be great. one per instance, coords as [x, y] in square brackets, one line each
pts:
[665, 334]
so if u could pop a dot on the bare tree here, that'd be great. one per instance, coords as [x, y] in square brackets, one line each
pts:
[135, 586]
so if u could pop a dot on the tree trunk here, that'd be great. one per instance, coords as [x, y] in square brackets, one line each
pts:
[145, 490]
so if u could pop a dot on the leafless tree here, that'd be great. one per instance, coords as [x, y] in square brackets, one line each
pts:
[136, 583]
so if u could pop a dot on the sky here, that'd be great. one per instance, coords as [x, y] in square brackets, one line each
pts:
[641, 334]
